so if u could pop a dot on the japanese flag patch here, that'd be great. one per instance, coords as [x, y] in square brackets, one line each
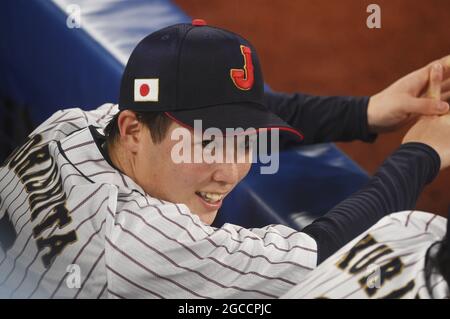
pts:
[146, 90]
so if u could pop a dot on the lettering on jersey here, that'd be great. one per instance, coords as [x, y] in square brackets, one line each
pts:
[368, 252]
[20, 150]
[39, 173]
[399, 293]
[367, 241]
[57, 243]
[369, 258]
[7, 232]
[387, 272]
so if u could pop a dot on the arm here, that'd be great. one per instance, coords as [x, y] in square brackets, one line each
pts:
[323, 119]
[399, 181]
[395, 187]
[333, 119]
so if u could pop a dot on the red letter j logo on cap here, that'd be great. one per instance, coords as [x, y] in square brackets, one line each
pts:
[244, 78]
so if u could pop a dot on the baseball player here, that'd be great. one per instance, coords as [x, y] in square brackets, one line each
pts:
[405, 255]
[93, 205]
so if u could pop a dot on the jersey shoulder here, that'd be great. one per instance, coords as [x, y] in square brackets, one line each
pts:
[65, 122]
[416, 221]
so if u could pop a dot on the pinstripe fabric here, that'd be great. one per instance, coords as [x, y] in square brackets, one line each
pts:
[404, 237]
[68, 206]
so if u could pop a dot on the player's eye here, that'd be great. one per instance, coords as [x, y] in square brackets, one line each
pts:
[205, 143]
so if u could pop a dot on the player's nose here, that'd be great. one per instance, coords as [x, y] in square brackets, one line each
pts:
[226, 173]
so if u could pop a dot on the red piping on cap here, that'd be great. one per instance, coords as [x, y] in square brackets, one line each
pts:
[198, 22]
[178, 121]
[281, 128]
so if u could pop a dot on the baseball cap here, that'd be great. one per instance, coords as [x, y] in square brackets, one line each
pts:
[199, 72]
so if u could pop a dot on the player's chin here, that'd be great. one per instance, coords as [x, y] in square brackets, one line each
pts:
[208, 218]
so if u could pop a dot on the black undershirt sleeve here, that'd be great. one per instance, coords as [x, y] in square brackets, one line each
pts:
[323, 119]
[395, 187]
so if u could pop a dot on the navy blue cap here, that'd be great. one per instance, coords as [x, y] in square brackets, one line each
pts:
[195, 71]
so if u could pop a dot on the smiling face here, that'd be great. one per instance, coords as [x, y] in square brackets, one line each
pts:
[200, 186]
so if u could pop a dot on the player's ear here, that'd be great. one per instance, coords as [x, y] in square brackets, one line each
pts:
[130, 130]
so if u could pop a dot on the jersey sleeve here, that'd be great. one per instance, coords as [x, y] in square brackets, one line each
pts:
[162, 250]
[323, 118]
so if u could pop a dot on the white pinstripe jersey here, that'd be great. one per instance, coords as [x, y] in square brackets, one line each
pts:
[387, 261]
[63, 205]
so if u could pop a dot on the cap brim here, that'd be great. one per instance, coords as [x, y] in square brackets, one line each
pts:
[232, 116]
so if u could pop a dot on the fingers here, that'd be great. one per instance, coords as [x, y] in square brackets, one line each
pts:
[445, 61]
[434, 85]
[427, 106]
[415, 81]
[445, 96]
[445, 86]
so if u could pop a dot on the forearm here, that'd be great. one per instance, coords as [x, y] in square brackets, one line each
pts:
[323, 119]
[395, 187]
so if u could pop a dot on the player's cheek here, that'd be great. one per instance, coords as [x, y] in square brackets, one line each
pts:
[243, 170]
[191, 177]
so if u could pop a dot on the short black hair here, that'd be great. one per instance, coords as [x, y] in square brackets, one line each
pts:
[157, 123]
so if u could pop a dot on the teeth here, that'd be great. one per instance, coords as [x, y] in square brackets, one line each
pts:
[211, 197]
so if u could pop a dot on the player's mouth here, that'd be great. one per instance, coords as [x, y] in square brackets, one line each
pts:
[211, 200]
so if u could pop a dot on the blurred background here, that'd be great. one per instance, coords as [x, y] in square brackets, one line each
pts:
[56, 54]
[324, 47]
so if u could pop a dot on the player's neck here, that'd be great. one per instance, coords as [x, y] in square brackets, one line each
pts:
[119, 160]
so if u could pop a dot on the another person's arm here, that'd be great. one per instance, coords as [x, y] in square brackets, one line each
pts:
[395, 187]
[400, 180]
[323, 119]
[332, 119]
